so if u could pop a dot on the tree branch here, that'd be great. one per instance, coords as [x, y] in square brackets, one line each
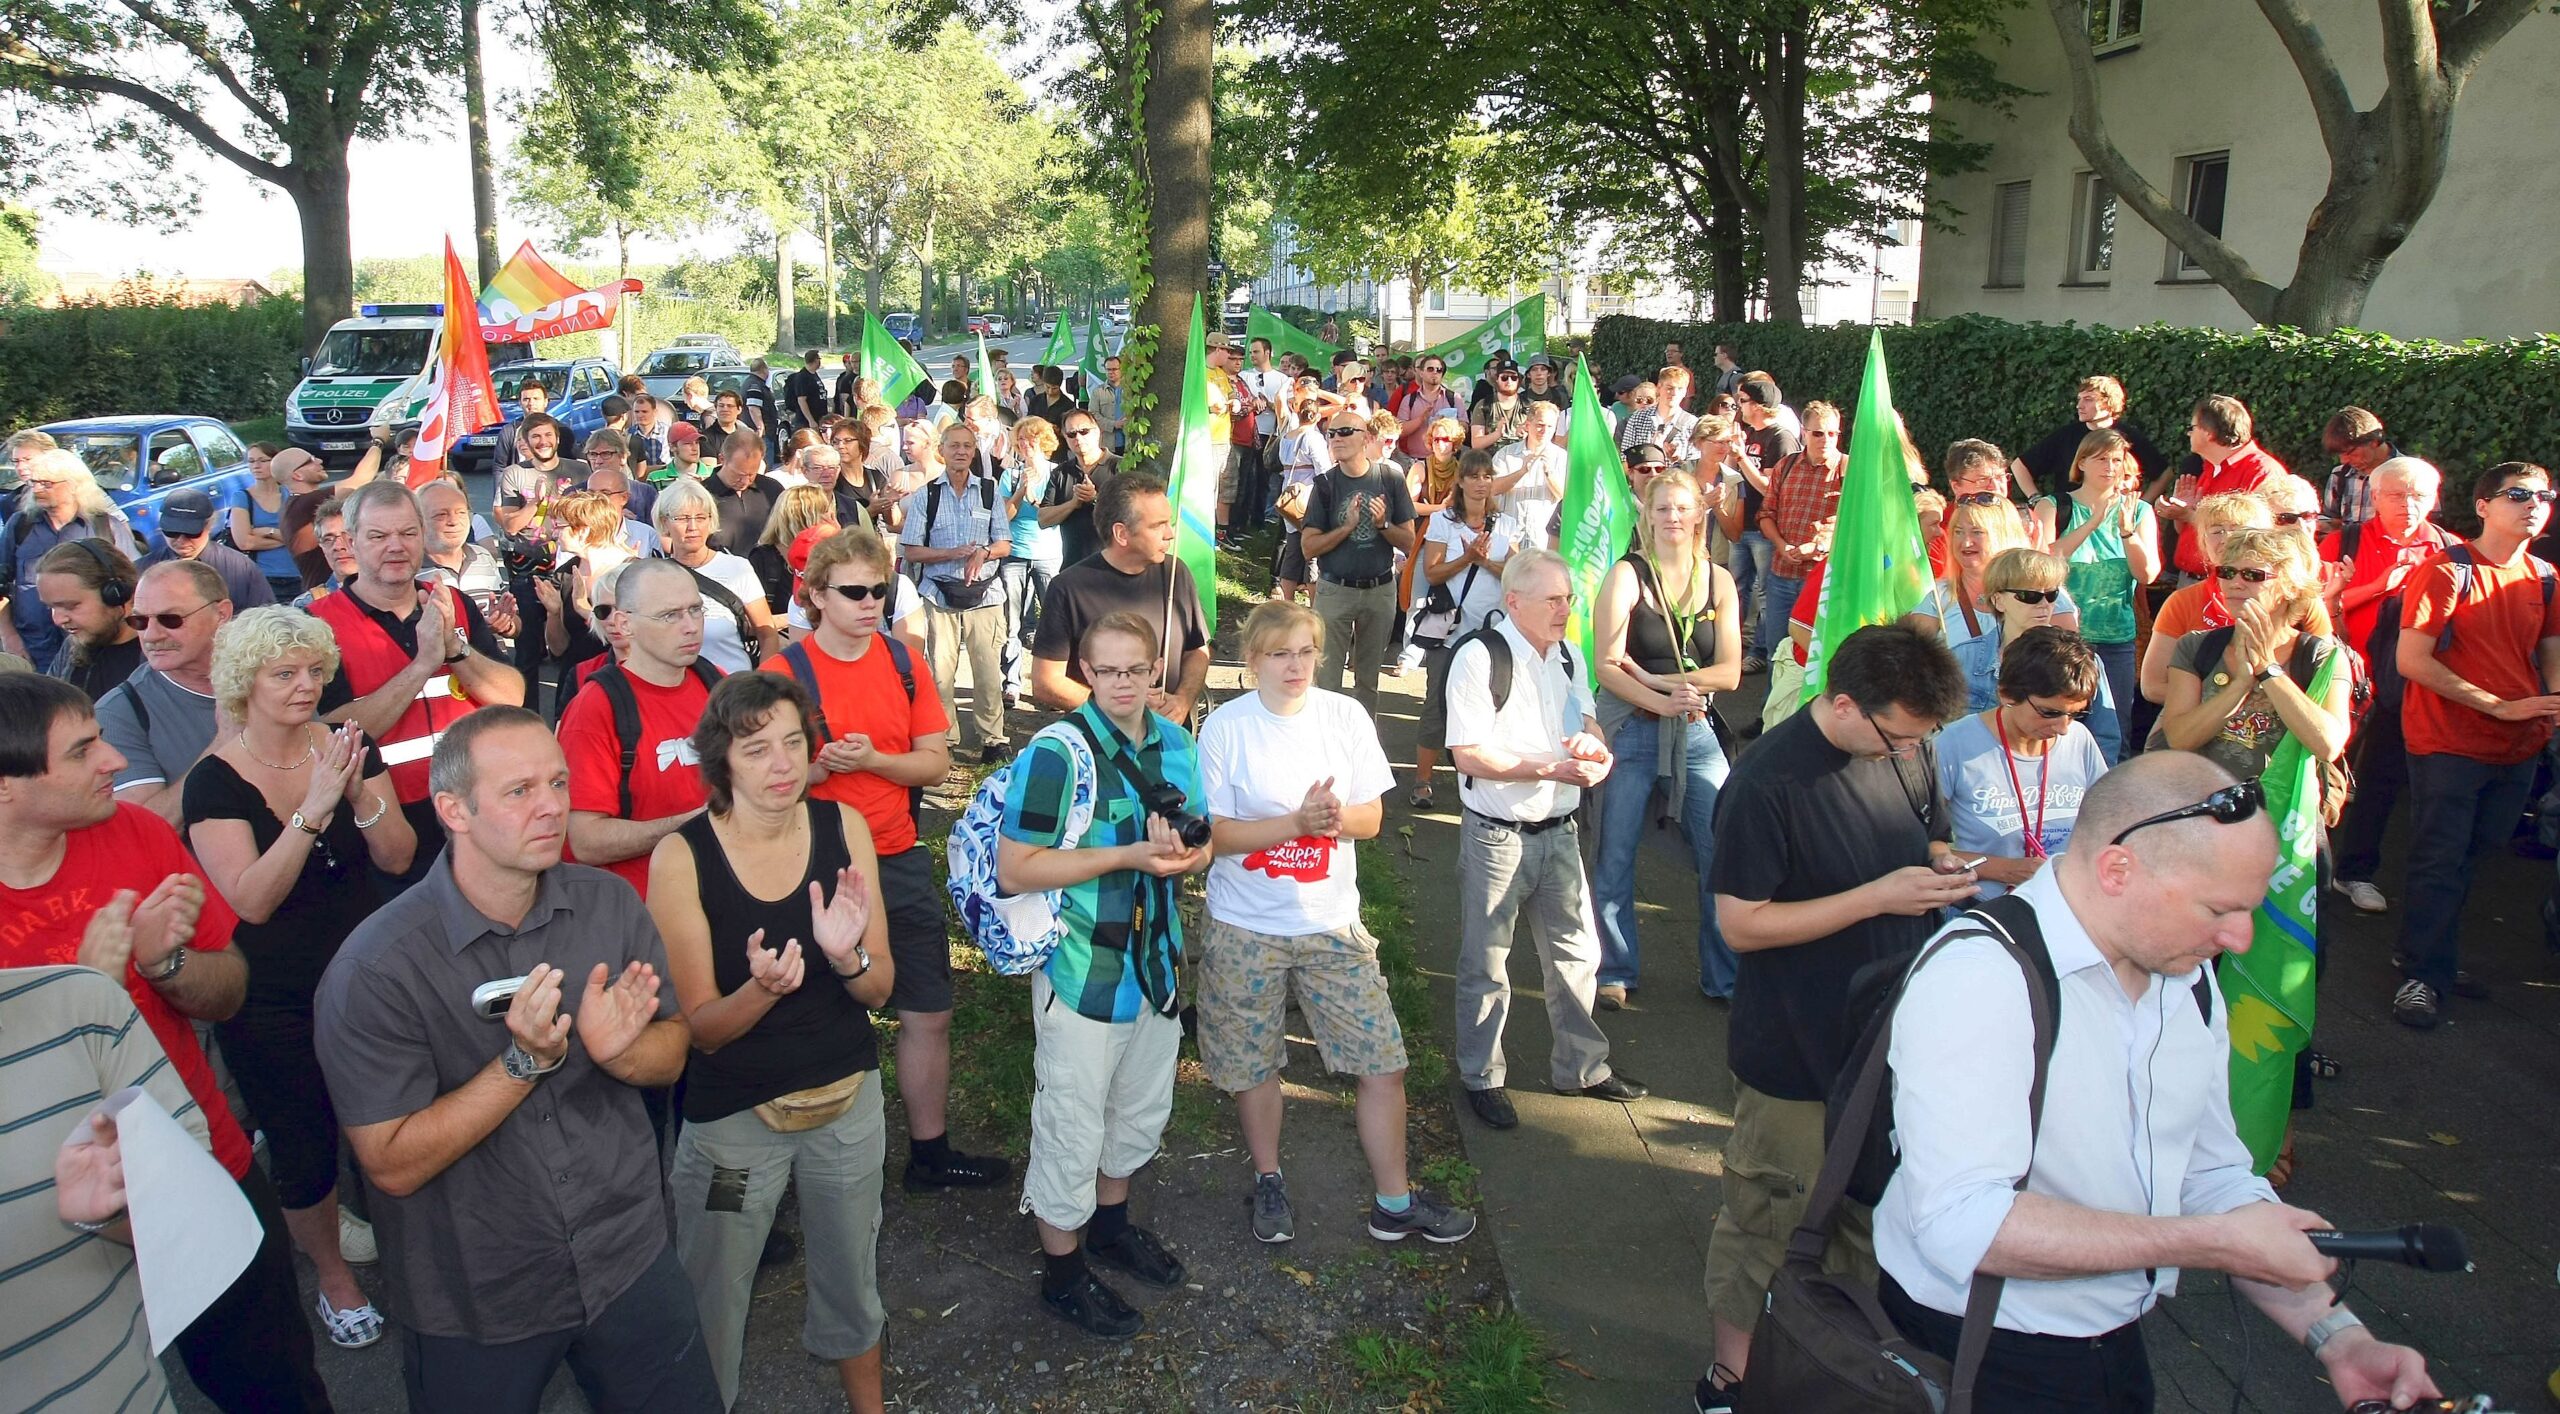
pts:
[160, 105]
[2468, 40]
[2327, 88]
[192, 40]
[2089, 133]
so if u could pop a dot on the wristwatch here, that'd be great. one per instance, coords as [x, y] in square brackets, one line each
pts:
[862, 955]
[177, 963]
[2329, 1328]
[303, 825]
[2271, 670]
[521, 1065]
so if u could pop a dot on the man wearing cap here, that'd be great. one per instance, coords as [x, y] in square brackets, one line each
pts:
[186, 521]
[684, 456]
[1540, 385]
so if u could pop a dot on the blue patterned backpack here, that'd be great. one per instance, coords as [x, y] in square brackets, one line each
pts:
[1017, 932]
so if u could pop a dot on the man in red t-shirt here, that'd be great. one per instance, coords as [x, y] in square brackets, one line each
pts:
[2377, 556]
[883, 737]
[2480, 650]
[87, 881]
[615, 821]
[2222, 435]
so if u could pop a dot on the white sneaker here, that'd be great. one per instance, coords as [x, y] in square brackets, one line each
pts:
[2365, 897]
[355, 1240]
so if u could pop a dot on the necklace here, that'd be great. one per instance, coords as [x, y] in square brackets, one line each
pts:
[309, 750]
[2033, 839]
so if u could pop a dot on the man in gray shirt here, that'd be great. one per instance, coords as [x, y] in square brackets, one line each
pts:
[522, 1217]
[162, 719]
[1358, 516]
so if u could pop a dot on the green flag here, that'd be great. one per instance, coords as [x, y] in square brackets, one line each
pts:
[886, 362]
[2268, 988]
[1879, 568]
[1599, 509]
[1061, 352]
[1193, 485]
[1285, 337]
[1094, 353]
[1522, 329]
[983, 372]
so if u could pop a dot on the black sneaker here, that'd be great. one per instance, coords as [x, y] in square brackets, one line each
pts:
[779, 1248]
[1424, 1216]
[2415, 1005]
[996, 753]
[1494, 1108]
[1272, 1220]
[1613, 1086]
[957, 1170]
[1714, 1398]
[1137, 1252]
[2551, 922]
[1096, 1308]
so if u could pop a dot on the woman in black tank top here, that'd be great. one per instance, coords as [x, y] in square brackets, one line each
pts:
[777, 949]
[1666, 635]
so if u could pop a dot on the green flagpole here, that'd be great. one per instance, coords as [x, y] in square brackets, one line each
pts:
[1599, 508]
[1193, 486]
[1879, 568]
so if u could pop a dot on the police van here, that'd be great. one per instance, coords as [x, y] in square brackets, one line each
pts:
[370, 370]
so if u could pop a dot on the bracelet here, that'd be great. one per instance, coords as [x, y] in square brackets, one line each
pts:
[95, 1228]
[369, 821]
[2328, 1328]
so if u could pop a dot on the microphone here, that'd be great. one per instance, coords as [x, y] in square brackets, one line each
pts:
[2430, 1247]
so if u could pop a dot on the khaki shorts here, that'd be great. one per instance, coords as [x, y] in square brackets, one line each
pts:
[1770, 1161]
[1231, 472]
[1245, 982]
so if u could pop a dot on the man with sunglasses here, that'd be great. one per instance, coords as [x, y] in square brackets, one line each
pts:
[1427, 398]
[162, 719]
[1832, 852]
[1357, 518]
[2134, 1170]
[186, 533]
[2479, 651]
[1796, 518]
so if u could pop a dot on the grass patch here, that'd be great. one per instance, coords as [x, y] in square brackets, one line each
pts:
[261, 429]
[1494, 1363]
[1453, 1176]
[1384, 913]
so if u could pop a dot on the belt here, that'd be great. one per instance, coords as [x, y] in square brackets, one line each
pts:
[1369, 583]
[1526, 827]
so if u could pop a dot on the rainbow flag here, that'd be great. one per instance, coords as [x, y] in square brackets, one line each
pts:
[460, 399]
[530, 300]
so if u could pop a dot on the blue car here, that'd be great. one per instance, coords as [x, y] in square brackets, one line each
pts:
[903, 326]
[141, 458]
[578, 387]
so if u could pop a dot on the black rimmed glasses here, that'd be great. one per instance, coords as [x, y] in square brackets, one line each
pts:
[2228, 806]
[1895, 746]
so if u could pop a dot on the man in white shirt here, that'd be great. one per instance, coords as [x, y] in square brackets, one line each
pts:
[2136, 1170]
[1270, 389]
[1524, 756]
[1528, 475]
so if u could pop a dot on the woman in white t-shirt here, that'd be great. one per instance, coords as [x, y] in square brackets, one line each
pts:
[1294, 775]
[1463, 550]
[686, 516]
[1304, 456]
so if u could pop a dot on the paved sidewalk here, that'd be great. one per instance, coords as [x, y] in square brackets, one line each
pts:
[1602, 1212]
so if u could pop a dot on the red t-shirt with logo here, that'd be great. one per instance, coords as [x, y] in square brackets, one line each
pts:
[41, 927]
[864, 697]
[2244, 470]
[665, 778]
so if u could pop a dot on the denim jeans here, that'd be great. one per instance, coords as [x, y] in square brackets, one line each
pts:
[1026, 583]
[2111, 716]
[1777, 600]
[1626, 812]
[2459, 809]
[1751, 573]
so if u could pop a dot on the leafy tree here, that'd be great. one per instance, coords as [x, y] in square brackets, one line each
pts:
[2385, 161]
[20, 281]
[1461, 212]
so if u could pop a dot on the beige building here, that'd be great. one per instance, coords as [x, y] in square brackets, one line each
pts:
[2200, 97]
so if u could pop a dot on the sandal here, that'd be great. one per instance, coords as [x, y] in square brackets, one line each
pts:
[351, 1329]
[2280, 1172]
[1420, 799]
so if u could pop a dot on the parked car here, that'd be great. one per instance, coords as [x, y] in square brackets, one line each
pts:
[578, 390]
[998, 327]
[902, 326]
[664, 371]
[708, 341]
[139, 459]
[375, 368]
[979, 324]
[1048, 325]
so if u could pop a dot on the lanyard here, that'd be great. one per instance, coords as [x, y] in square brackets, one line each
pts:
[2044, 768]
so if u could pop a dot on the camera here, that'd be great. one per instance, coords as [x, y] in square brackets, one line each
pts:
[1166, 800]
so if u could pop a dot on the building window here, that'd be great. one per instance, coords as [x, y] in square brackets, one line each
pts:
[2009, 235]
[2114, 22]
[2204, 180]
[1439, 299]
[2093, 231]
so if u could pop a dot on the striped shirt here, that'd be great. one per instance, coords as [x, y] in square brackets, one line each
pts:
[72, 1334]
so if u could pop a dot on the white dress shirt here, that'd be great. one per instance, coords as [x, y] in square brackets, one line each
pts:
[2137, 1119]
[1546, 705]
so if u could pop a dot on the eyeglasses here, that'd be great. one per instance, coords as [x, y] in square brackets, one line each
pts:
[171, 622]
[673, 617]
[1893, 745]
[2254, 576]
[856, 593]
[1649, 468]
[1435, 368]
[2034, 596]
[2228, 806]
[1136, 674]
[2525, 495]
[2056, 714]
[1977, 498]
[2295, 517]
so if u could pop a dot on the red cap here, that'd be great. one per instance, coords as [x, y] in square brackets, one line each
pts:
[684, 432]
[807, 541]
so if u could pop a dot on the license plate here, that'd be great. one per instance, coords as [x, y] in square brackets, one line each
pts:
[338, 446]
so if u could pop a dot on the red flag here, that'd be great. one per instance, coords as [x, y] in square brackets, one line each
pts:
[460, 399]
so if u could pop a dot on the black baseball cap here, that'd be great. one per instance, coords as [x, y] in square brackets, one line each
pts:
[1761, 391]
[186, 513]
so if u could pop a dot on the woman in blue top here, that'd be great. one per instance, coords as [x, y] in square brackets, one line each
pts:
[2013, 776]
[1039, 547]
[2106, 531]
[257, 525]
[1973, 611]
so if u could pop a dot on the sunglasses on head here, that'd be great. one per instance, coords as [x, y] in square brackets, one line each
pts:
[856, 593]
[2056, 714]
[2034, 596]
[2228, 806]
[2254, 576]
[2295, 517]
[1979, 498]
[2524, 495]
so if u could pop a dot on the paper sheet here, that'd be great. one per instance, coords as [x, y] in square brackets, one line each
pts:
[193, 1230]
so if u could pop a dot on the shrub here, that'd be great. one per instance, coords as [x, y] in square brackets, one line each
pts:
[91, 359]
[2463, 406]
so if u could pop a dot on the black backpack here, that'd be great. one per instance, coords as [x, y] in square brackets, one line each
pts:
[1497, 651]
[805, 672]
[615, 684]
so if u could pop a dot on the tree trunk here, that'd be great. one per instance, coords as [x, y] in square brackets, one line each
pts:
[622, 271]
[924, 282]
[1729, 278]
[1413, 297]
[328, 242]
[1783, 115]
[1175, 133]
[785, 324]
[827, 243]
[484, 182]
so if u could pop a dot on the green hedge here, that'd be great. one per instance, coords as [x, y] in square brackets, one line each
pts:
[2463, 406]
[88, 360]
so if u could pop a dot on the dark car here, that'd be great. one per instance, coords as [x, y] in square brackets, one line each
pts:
[139, 459]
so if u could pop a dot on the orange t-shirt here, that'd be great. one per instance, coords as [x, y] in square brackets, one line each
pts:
[2498, 626]
[864, 697]
[2199, 606]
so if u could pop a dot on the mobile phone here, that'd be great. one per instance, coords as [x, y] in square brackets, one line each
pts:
[491, 999]
[1974, 863]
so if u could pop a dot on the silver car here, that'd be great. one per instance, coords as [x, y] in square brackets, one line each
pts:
[664, 372]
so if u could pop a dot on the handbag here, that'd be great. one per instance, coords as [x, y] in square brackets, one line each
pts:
[807, 1109]
[1435, 619]
[1824, 1341]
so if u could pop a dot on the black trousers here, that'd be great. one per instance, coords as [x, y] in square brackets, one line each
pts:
[643, 1355]
[251, 1352]
[2036, 1374]
[2381, 762]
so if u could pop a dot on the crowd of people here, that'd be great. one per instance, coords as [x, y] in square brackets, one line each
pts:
[496, 856]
